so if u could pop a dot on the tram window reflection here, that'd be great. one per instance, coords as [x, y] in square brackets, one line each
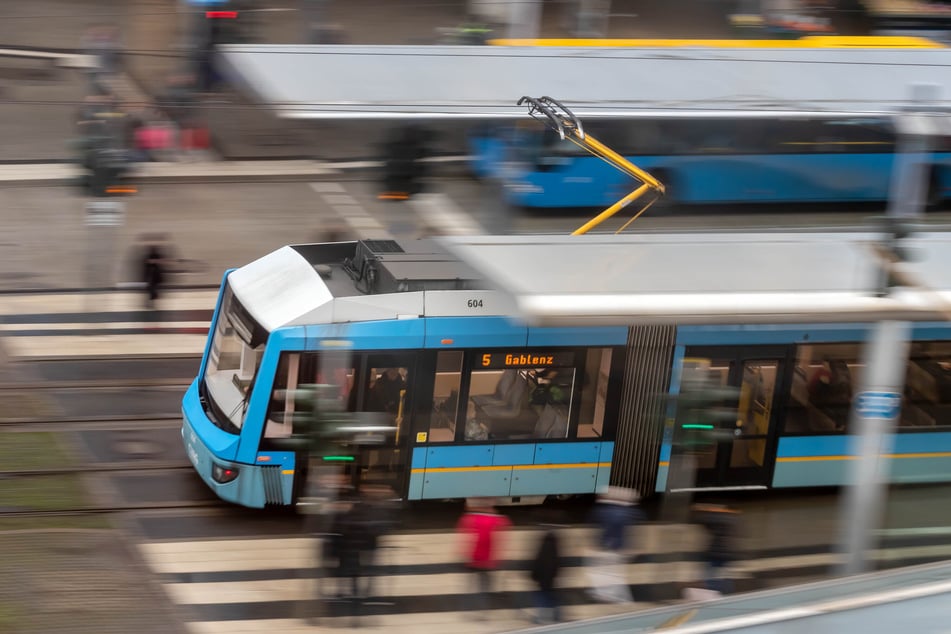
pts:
[295, 369]
[442, 427]
[232, 365]
[386, 386]
[927, 401]
[594, 393]
[527, 401]
[822, 386]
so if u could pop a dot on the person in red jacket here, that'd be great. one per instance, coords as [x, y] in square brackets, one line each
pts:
[480, 527]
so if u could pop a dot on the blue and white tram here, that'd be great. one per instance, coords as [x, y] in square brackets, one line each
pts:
[482, 405]
[485, 406]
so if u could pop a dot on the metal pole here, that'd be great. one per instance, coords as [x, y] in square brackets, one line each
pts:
[877, 407]
[524, 19]
[875, 412]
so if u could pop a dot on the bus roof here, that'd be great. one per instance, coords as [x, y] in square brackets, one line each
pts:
[705, 278]
[485, 82]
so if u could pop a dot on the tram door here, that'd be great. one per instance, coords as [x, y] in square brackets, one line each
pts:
[384, 387]
[737, 452]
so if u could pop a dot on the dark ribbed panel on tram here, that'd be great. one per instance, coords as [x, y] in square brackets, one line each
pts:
[640, 417]
[273, 491]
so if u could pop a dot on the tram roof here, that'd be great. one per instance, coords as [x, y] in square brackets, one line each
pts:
[706, 278]
[485, 82]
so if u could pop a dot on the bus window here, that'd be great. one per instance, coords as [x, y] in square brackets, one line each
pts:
[442, 427]
[820, 395]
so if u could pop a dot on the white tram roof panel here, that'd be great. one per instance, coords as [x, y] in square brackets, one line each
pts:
[705, 278]
[357, 281]
[474, 82]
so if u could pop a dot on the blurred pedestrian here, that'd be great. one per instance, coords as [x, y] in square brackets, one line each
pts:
[720, 524]
[481, 527]
[614, 513]
[153, 272]
[102, 45]
[377, 517]
[544, 572]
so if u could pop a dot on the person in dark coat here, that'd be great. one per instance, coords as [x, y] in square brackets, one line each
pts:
[387, 391]
[720, 523]
[614, 513]
[153, 272]
[544, 572]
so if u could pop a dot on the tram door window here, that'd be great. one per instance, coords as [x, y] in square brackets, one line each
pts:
[594, 392]
[442, 427]
[386, 387]
[727, 441]
[755, 412]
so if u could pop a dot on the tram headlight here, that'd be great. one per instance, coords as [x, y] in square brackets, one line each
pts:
[223, 475]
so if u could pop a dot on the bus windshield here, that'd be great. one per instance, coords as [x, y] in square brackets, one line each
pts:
[233, 361]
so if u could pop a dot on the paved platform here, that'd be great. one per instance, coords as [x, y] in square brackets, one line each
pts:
[234, 583]
[181, 172]
[111, 324]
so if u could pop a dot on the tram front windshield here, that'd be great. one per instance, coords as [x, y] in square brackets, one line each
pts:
[233, 361]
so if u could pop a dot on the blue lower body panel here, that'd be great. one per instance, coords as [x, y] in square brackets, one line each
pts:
[804, 461]
[509, 470]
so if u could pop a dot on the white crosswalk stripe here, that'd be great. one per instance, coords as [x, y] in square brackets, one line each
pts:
[274, 579]
[183, 566]
[45, 325]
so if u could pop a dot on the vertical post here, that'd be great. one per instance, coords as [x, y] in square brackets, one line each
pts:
[103, 219]
[875, 412]
[877, 407]
[524, 19]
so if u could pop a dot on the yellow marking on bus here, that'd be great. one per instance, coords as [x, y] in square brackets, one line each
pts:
[517, 466]
[664, 463]
[896, 456]
[288, 472]
[815, 41]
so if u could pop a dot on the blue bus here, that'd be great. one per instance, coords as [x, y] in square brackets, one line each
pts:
[483, 405]
[702, 159]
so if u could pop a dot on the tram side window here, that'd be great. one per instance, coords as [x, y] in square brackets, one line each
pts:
[296, 369]
[927, 401]
[442, 427]
[520, 395]
[825, 377]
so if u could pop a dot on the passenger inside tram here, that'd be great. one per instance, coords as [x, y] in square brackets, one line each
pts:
[387, 390]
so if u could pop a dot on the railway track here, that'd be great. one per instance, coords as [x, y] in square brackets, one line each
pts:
[109, 510]
[51, 393]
